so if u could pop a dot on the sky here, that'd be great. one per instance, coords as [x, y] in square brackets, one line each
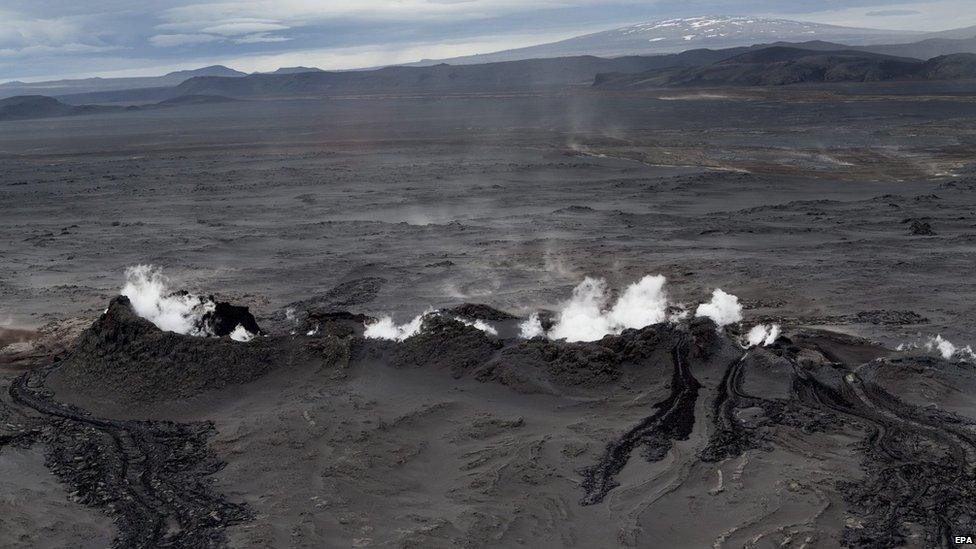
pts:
[45, 39]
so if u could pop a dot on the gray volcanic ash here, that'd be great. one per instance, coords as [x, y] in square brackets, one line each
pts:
[455, 419]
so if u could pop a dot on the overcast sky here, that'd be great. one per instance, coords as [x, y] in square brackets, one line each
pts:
[59, 38]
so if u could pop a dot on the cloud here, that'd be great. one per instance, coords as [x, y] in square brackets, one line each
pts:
[170, 40]
[42, 37]
[73, 48]
[927, 15]
[260, 38]
[63, 38]
[891, 13]
[309, 12]
[375, 55]
[237, 28]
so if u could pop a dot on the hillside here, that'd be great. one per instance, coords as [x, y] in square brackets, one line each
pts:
[37, 106]
[90, 85]
[514, 75]
[31, 107]
[781, 65]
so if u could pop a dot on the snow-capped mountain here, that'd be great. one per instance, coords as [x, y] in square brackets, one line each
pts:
[675, 35]
[733, 31]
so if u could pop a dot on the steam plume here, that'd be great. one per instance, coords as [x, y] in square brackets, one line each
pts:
[479, 324]
[723, 309]
[180, 312]
[148, 291]
[763, 334]
[241, 334]
[385, 328]
[944, 347]
[531, 327]
[585, 317]
[948, 350]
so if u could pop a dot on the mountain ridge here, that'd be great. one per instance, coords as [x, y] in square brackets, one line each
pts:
[674, 35]
[96, 84]
[783, 65]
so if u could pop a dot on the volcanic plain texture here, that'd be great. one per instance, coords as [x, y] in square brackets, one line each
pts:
[845, 214]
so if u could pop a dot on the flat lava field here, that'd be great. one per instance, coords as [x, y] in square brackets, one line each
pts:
[846, 214]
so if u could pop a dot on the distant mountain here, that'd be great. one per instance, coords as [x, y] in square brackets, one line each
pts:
[515, 75]
[949, 67]
[675, 35]
[926, 49]
[782, 65]
[37, 106]
[213, 70]
[923, 49]
[291, 70]
[194, 100]
[29, 107]
[88, 85]
[963, 33]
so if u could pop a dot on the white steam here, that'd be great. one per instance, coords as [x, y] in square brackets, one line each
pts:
[385, 328]
[151, 298]
[945, 348]
[678, 314]
[643, 303]
[762, 334]
[531, 327]
[723, 309]
[479, 324]
[586, 316]
[241, 334]
[948, 350]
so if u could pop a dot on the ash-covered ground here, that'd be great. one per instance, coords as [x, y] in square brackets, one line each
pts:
[846, 218]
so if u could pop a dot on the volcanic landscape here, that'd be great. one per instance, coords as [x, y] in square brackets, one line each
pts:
[723, 317]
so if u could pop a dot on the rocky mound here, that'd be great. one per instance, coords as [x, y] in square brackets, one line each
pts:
[684, 396]
[127, 358]
[225, 318]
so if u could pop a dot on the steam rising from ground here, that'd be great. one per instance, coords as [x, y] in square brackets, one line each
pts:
[148, 291]
[479, 324]
[723, 309]
[531, 327]
[763, 334]
[587, 317]
[241, 334]
[945, 348]
[386, 328]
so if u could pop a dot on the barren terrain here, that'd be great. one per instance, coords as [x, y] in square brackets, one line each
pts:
[846, 214]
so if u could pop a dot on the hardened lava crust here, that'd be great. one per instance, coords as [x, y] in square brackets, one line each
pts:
[456, 437]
